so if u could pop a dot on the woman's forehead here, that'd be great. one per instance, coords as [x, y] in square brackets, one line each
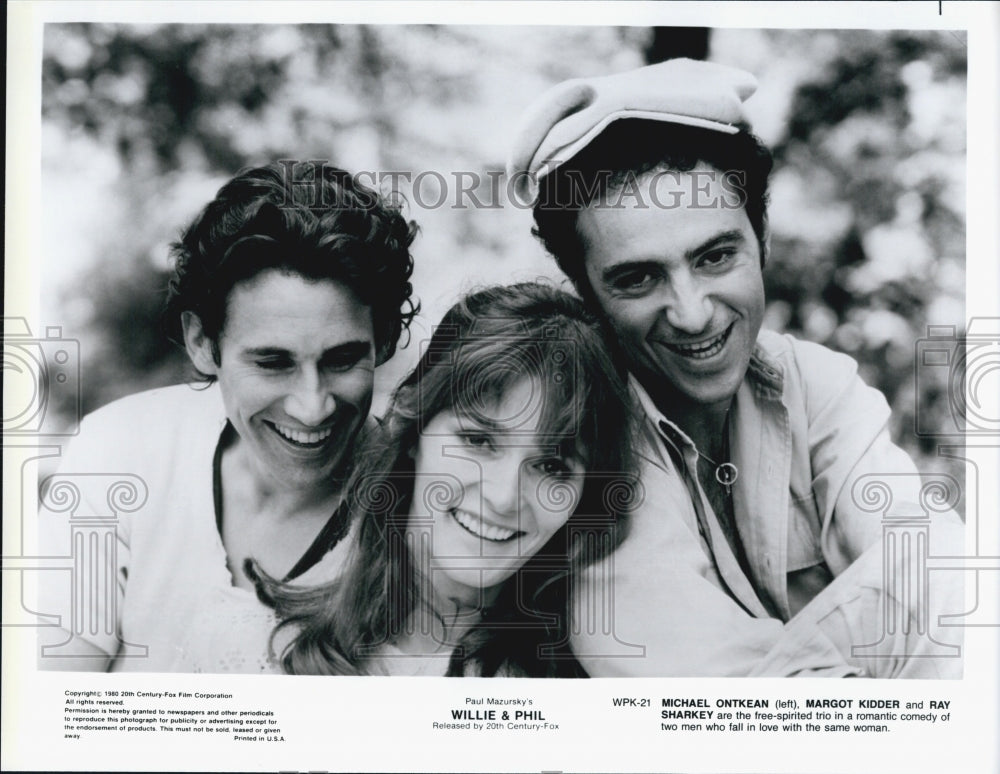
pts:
[512, 406]
[528, 409]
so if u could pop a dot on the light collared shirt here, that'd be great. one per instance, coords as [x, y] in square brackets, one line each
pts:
[807, 436]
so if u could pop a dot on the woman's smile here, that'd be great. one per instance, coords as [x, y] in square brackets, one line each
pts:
[499, 509]
[477, 526]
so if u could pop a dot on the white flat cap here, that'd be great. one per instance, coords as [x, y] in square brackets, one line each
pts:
[567, 117]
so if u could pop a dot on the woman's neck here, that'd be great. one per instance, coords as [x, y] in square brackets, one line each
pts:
[438, 625]
[433, 631]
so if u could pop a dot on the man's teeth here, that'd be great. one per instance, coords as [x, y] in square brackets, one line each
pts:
[480, 529]
[301, 436]
[704, 350]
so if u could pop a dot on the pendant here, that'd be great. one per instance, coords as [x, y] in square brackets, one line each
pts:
[726, 474]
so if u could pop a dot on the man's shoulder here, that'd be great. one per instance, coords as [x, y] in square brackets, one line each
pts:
[818, 378]
[805, 361]
[160, 409]
[147, 433]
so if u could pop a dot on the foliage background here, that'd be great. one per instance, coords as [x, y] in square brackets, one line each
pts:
[142, 124]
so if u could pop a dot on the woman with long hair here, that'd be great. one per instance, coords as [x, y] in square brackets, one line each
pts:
[502, 469]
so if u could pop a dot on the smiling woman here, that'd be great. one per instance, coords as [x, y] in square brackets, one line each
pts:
[493, 483]
[499, 515]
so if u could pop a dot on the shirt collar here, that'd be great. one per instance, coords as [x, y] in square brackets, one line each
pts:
[665, 427]
[764, 375]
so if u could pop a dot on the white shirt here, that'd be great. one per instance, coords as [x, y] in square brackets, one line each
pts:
[150, 585]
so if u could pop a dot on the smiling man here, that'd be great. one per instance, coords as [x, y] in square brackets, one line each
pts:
[286, 295]
[753, 553]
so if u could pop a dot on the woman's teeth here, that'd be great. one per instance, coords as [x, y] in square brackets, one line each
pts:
[482, 530]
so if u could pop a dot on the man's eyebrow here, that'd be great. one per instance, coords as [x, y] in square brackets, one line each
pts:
[733, 235]
[266, 352]
[625, 267]
[651, 264]
[359, 347]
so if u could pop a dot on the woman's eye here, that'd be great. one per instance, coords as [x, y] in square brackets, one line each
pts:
[477, 440]
[553, 466]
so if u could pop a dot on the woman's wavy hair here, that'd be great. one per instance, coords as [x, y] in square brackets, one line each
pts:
[485, 345]
[626, 151]
[329, 227]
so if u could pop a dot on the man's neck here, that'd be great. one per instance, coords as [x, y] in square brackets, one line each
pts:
[264, 521]
[259, 493]
[703, 423]
[706, 427]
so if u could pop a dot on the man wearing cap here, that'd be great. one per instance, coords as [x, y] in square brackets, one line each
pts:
[757, 549]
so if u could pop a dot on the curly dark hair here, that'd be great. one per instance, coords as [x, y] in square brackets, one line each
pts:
[629, 149]
[329, 227]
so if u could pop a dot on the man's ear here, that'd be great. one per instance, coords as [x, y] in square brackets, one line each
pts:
[200, 348]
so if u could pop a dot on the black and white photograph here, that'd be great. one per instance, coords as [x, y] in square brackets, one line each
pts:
[347, 350]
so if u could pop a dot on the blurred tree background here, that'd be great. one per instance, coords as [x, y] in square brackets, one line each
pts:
[142, 124]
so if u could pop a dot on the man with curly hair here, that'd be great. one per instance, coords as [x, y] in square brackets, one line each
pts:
[286, 294]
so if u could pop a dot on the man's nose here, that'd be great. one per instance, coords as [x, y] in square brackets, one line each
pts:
[688, 307]
[311, 401]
